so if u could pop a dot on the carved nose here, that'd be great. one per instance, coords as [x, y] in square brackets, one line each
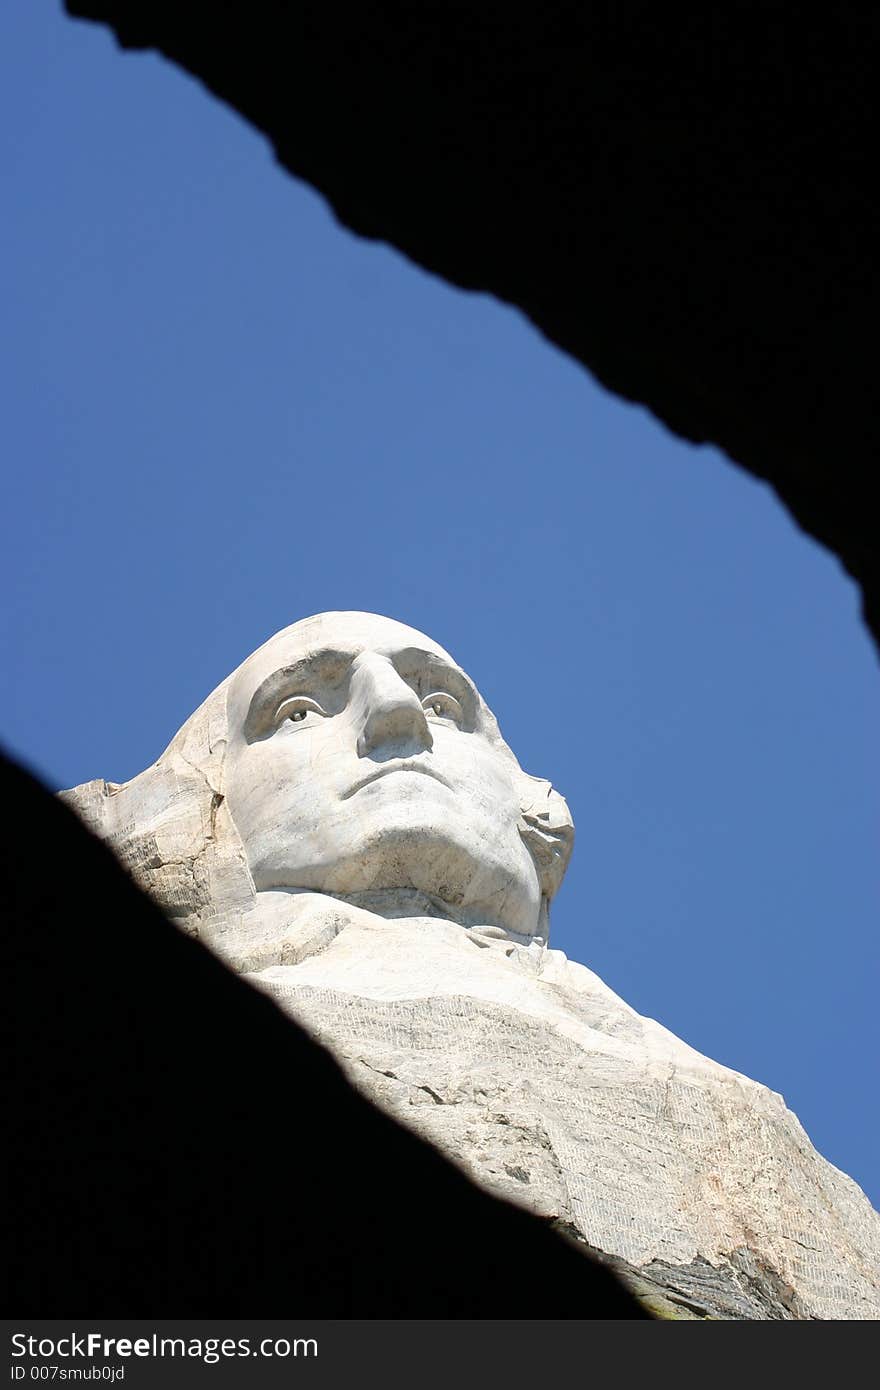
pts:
[386, 709]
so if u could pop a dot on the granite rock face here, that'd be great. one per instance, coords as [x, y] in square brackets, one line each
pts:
[403, 919]
[550, 1091]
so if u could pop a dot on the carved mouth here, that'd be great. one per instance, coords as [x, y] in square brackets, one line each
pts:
[397, 765]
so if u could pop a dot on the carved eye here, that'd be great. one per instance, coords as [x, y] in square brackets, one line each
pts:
[298, 709]
[443, 706]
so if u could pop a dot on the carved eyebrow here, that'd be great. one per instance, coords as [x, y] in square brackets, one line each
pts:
[415, 661]
[321, 668]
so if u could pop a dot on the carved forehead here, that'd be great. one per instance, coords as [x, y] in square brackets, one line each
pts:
[344, 632]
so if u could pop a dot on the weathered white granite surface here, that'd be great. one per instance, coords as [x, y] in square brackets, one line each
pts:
[342, 821]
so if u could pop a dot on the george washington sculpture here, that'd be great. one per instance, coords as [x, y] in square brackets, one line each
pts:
[343, 823]
[348, 758]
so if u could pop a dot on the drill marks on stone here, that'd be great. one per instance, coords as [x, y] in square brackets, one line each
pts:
[651, 1169]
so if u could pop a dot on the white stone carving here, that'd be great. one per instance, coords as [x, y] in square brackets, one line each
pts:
[342, 821]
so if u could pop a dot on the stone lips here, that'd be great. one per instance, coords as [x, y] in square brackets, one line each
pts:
[445, 1005]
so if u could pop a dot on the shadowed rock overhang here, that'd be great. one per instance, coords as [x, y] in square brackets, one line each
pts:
[684, 199]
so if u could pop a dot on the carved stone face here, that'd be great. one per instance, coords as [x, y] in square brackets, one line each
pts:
[362, 759]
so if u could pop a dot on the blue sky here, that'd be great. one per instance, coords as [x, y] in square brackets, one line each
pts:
[223, 412]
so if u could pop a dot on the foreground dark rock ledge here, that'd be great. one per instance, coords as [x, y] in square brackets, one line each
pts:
[180, 1148]
[684, 199]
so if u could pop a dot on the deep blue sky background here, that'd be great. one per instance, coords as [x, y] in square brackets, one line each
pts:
[222, 412]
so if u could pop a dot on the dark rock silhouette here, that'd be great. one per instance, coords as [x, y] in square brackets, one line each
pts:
[180, 1148]
[682, 198]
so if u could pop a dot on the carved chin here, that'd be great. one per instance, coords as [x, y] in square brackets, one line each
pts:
[491, 877]
[431, 856]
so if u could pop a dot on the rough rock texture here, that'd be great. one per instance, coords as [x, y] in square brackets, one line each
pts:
[684, 200]
[550, 1091]
[290, 826]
